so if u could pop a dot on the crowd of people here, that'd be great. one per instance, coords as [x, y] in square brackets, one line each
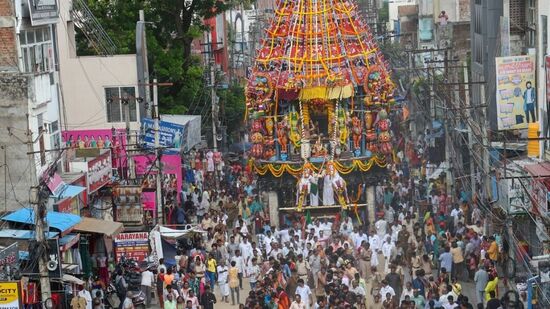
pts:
[417, 251]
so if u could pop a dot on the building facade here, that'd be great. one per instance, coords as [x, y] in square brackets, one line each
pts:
[29, 70]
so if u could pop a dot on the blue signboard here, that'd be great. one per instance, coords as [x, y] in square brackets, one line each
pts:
[171, 134]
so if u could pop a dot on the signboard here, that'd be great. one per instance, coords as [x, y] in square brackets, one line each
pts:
[100, 139]
[43, 12]
[171, 135]
[172, 177]
[10, 295]
[148, 200]
[515, 100]
[129, 209]
[132, 246]
[55, 183]
[100, 171]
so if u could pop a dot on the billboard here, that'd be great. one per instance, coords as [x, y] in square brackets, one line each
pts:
[172, 176]
[97, 139]
[171, 135]
[132, 246]
[515, 92]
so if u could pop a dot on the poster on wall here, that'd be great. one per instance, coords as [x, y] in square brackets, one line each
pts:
[132, 246]
[10, 295]
[516, 92]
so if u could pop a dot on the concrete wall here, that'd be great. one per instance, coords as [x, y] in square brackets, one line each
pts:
[15, 172]
[491, 11]
[83, 79]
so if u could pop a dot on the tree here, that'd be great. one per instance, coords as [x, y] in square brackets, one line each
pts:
[175, 24]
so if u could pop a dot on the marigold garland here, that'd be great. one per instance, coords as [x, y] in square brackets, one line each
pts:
[278, 169]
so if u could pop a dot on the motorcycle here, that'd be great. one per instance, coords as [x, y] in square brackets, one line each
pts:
[112, 300]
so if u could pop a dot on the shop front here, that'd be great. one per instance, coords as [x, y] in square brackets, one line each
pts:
[97, 165]
[96, 244]
[63, 252]
[68, 197]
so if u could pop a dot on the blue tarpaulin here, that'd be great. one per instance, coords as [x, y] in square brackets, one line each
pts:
[22, 234]
[60, 221]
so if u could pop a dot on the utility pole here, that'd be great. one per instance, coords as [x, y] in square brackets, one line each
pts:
[39, 213]
[158, 154]
[214, 105]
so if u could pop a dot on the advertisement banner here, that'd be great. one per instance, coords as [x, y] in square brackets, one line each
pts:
[171, 173]
[101, 139]
[100, 171]
[10, 295]
[171, 135]
[516, 92]
[132, 246]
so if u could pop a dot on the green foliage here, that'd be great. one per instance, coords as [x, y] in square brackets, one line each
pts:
[174, 27]
[233, 101]
[384, 13]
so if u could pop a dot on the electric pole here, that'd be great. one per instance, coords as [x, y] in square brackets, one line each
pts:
[39, 214]
[158, 151]
[158, 154]
[214, 106]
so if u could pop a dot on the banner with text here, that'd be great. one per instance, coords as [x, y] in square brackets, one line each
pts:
[132, 246]
[516, 92]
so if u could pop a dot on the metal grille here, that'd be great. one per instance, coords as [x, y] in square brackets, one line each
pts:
[517, 16]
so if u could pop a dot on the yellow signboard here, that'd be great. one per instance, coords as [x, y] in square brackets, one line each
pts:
[10, 295]
[516, 92]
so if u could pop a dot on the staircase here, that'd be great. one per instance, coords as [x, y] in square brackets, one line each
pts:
[92, 29]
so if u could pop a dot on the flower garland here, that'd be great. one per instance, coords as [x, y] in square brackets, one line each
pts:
[278, 170]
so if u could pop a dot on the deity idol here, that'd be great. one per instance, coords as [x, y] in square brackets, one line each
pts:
[307, 184]
[335, 183]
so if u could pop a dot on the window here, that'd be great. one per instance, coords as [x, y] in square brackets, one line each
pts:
[37, 50]
[478, 18]
[117, 99]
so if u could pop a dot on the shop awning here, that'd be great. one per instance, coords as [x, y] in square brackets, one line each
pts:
[539, 170]
[189, 230]
[69, 191]
[22, 234]
[72, 279]
[91, 225]
[68, 241]
[60, 221]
